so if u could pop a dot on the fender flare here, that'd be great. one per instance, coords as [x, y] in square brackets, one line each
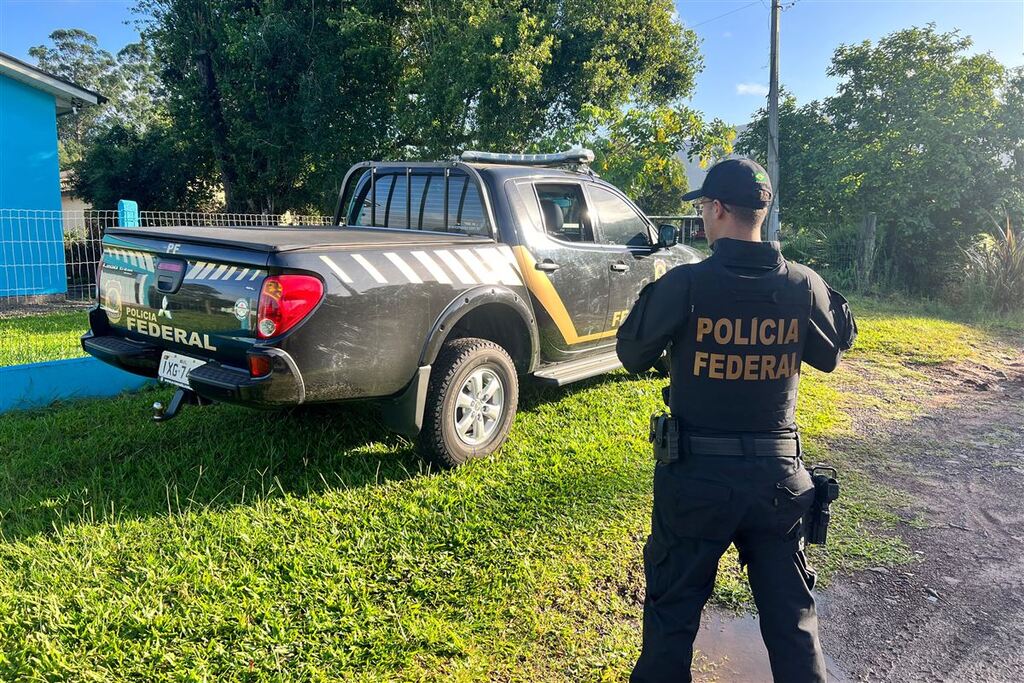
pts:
[472, 299]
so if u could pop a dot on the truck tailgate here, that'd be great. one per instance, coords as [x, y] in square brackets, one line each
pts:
[196, 299]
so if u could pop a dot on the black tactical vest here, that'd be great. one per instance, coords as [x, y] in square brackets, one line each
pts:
[737, 367]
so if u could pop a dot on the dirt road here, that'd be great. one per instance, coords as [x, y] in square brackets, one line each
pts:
[957, 614]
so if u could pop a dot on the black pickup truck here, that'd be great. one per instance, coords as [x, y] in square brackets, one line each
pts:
[439, 285]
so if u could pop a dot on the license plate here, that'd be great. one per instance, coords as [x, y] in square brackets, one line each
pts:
[174, 368]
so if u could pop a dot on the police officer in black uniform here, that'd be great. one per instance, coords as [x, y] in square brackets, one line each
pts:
[737, 327]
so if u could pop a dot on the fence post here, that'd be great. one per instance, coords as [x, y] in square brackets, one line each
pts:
[128, 213]
[866, 249]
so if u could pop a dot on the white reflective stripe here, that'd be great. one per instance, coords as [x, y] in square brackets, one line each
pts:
[435, 270]
[205, 271]
[231, 271]
[482, 272]
[374, 273]
[499, 266]
[456, 267]
[255, 274]
[220, 271]
[199, 265]
[242, 274]
[337, 271]
[403, 266]
[511, 258]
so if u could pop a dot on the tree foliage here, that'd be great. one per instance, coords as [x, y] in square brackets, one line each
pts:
[640, 153]
[288, 95]
[75, 56]
[127, 81]
[918, 132]
[155, 166]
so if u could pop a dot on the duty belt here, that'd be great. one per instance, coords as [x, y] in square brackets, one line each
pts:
[785, 447]
[670, 442]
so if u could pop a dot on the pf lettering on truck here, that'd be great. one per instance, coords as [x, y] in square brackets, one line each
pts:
[439, 288]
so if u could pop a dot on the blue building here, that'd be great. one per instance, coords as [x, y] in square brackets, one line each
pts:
[31, 233]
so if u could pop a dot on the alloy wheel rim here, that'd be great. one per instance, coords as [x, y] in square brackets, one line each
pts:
[479, 407]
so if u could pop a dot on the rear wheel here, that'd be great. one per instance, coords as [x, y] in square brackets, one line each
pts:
[471, 402]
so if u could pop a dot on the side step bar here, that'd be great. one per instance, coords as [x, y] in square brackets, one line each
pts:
[560, 374]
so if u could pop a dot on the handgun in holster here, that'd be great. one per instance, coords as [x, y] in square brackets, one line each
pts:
[664, 436]
[826, 490]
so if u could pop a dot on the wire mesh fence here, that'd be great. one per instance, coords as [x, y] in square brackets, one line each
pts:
[48, 263]
[843, 255]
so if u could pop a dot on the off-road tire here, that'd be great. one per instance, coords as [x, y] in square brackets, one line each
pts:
[438, 440]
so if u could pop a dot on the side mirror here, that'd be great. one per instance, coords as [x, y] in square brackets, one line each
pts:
[668, 235]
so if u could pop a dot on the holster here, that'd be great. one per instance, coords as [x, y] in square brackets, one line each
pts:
[826, 490]
[664, 437]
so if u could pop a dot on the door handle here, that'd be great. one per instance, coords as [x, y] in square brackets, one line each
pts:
[620, 267]
[547, 266]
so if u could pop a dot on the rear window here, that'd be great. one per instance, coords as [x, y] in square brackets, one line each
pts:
[416, 201]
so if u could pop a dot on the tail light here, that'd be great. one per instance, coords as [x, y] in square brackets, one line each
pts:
[284, 301]
[259, 365]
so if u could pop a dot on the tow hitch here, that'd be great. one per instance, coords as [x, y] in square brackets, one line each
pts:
[180, 398]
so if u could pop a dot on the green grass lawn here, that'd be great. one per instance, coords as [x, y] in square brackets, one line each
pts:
[37, 338]
[230, 544]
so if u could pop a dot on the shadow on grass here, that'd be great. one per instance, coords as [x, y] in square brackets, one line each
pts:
[100, 460]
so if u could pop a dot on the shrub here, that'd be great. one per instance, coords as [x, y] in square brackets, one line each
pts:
[994, 273]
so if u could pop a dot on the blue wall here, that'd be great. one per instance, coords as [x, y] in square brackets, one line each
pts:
[37, 385]
[31, 244]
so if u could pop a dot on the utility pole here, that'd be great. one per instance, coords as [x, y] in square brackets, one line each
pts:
[773, 125]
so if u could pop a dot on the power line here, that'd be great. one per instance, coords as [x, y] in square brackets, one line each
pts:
[732, 11]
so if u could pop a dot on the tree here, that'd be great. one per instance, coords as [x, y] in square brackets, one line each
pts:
[917, 133]
[288, 95]
[640, 153]
[285, 95]
[76, 56]
[520, 72]
[129, 82]
[154, 166]
[139, 99]
[809, 184]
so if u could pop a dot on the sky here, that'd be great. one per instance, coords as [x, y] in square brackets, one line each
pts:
[735, 42]
[734, 35]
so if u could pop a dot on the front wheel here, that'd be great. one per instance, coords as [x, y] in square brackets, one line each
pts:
[471, 402]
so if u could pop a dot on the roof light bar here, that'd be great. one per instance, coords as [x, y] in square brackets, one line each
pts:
[572, 157]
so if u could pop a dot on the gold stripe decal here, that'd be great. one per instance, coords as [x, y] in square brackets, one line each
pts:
[540, 286]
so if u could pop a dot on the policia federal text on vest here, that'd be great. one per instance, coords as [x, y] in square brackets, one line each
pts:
[737, 327]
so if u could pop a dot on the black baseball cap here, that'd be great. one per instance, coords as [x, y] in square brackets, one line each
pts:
[740, 182]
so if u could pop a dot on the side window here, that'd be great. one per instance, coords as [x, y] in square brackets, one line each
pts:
[361, 210]
[620, 224]
[471, 217]
[564, 212]
[432, 208]
[426, 202]
[397, 198]
[527, 210]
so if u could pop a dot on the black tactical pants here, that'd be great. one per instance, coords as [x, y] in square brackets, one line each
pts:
[701, 505]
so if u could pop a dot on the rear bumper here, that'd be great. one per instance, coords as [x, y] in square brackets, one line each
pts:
[282, 386]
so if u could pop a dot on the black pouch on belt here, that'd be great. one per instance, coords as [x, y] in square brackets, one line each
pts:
[664, 436]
